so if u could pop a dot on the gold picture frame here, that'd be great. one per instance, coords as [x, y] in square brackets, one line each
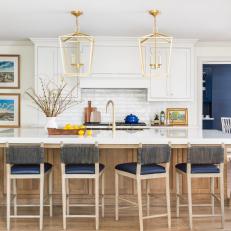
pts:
[177, 116]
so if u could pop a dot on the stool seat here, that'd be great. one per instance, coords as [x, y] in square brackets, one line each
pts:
[82, 168]
[29, 168]
[145, 169]
[199, 168]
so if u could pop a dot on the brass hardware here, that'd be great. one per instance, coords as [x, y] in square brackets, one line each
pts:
[154, 43]
[113, 115]
[77, 65]
[77, 13]
[71, 45]
[154, 12]
[155, 65]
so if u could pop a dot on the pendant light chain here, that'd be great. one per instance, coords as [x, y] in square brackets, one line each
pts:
[155, 42]
[77, 24]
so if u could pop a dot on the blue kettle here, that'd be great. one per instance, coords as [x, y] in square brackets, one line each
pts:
[131, 119]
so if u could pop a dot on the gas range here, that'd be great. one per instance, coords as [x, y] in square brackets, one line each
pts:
[119, 126]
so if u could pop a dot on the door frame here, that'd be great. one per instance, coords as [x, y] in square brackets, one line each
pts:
[199, 96]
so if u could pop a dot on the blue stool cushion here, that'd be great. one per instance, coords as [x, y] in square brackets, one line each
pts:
[199, 168]
[145, 169]
[29, 168]
[82, 168]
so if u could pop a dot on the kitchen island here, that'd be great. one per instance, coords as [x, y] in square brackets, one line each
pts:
[122, 147]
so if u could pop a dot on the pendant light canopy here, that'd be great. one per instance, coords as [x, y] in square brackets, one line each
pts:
[155, 51]
[76, 51]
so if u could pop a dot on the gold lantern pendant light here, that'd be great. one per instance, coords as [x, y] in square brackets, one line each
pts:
[155, 51]
[76, 51]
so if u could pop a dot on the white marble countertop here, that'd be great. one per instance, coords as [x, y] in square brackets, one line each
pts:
[148, 136]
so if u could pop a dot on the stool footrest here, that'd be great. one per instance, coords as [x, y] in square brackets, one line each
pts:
[24, 216]
[155, 216]
[196, 205]
[207, 215]
[30, 205]
[83, 205]
[80, 216]
[128, 201]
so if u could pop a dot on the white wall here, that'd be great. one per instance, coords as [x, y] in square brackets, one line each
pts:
[26, 51]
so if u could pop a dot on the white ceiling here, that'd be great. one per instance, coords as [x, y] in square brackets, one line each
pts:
[207, 20]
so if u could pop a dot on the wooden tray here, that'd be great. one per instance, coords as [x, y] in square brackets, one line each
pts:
[60, 131]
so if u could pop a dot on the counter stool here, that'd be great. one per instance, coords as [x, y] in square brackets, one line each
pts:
[148, 167]
[202, 162]
[81, 162]
[26, 161]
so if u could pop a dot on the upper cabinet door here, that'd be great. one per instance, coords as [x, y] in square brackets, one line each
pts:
[116, 61]
[49, 68]
[180, 74]
[157, 88]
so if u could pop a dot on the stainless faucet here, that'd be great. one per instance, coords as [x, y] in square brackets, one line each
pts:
[113, 115]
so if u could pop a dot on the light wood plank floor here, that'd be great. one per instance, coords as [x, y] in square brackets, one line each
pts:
[128, 221]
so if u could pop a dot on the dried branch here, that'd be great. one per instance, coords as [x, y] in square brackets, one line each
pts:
[52, 101]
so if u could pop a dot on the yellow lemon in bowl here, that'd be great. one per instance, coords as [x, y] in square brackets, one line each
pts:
[89, 132]
[67, 127]
[82, 127]
[81, 132]
[76, 126]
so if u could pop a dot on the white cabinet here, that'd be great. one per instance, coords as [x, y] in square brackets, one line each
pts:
[116, 65]
[158, 87]
[178, 85]
[180, 74]
[49, 68]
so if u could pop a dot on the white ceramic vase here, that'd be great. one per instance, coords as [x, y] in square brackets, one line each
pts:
[51, 123]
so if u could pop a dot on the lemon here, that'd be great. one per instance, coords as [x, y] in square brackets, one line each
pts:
[89, 132]
[81, 132]
[82, 127]
[76, 126]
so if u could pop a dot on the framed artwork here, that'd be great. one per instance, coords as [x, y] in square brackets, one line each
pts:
[177, 116]
[9, 71]
[9, 110]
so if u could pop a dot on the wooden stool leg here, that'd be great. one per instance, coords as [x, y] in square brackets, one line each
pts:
[148, 196]
[189, 184]
[41, 200]
[139, 193]
[67, 196]
[8, 194]
[222, 199]
[64, 197]
[116, 196]
[212, 193]
[168, 200]
[102, 202]
[15, 196]
[97, 202]
[51, 193]
[177, 194]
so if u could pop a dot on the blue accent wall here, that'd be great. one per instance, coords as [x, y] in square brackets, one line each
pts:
[221, 92]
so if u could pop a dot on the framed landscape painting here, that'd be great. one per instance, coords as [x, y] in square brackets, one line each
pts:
[177, 116]
[9, 110]
[9, 71]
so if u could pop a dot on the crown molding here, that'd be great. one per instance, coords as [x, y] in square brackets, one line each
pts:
[109, 40]
[26, 42]
[213, 44]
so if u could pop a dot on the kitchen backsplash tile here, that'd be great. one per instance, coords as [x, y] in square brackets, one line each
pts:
[126, 102]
